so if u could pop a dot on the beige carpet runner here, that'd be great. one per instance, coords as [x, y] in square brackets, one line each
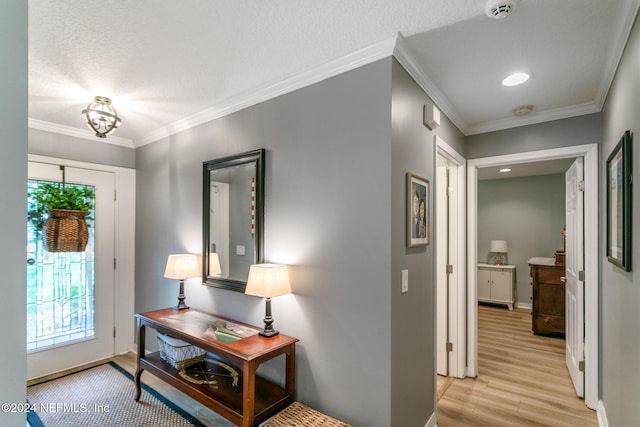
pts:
[102, 396]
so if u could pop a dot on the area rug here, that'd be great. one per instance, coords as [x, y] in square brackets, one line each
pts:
[102, 396]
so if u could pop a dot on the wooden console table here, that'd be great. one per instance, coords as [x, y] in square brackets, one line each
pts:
[247, 405]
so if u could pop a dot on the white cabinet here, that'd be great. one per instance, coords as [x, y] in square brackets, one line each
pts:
[496, 284]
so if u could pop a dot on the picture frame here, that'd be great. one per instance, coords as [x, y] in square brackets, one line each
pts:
[619, 203]
[417, 211]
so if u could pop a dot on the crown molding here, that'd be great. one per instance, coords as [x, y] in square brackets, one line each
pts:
[402, 52]
[77, 133]
[534, 118]
[629, 13]
[264, 93]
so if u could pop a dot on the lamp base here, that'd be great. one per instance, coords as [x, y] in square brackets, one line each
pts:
[269, 334]
[180, 306]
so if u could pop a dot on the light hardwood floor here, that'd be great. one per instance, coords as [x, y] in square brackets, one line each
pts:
[522, 379]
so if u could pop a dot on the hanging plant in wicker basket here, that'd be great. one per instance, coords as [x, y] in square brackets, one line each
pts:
[67, 209]
[65, 231]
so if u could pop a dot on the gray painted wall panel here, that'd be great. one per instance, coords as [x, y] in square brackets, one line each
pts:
[620, 291]
[84, 150]
[327, 215]
[412, 313]
[13, 187]
[529, 214]
[559, 133]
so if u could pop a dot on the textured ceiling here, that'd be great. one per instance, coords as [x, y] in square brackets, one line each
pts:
[168, 65]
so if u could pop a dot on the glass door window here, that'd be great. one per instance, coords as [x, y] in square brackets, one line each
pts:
[60, 287]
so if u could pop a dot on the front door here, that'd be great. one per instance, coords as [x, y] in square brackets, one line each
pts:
[574, 305]
[70, 295]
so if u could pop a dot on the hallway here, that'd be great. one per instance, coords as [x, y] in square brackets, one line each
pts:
[523, 379]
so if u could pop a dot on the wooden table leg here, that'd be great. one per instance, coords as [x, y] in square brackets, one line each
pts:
[141, 336]
[290, 384]
[248, 393]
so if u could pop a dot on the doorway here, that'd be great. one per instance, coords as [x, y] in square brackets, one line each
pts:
[450, 225]
[589, 153]
[108, 326]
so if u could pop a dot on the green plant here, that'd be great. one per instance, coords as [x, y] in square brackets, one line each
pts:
[58, 196]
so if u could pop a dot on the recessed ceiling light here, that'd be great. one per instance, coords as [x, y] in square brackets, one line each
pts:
[505, 170]
[515, 79]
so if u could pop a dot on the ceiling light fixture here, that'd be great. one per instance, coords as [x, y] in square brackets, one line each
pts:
[505, 170]
[101, 117]
[515, 79]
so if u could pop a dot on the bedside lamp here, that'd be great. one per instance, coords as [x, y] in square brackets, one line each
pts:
[499, 250]
[181, 267]
[268, 281]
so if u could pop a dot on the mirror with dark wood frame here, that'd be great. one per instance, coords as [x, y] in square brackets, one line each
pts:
[232, 218]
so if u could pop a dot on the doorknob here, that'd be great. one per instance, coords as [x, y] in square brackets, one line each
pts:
[563, 279]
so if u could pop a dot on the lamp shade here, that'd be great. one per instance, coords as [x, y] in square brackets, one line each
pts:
[498, 246]
[182, 266]
[268, 280]
[214, 265]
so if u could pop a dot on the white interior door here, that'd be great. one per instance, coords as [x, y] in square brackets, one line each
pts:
[97, 268]
[574, 310]
[219, 223]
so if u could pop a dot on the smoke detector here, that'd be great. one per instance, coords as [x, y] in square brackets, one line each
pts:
[522, 110]
[499, 9]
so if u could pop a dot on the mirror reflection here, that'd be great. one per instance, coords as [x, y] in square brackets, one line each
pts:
[232, 218]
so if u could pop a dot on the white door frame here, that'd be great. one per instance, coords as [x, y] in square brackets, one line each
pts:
[125, 185]
[457, 240]
[591, 213]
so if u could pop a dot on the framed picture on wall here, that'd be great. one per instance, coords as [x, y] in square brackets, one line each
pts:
[417, 211]
[619, 203]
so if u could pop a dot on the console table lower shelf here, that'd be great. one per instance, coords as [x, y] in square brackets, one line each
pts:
[235, 391]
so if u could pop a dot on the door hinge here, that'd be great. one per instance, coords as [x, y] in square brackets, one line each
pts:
[114, 332]
[114, 264]
[581, 275]
[449, 269]
[581, 366]
[449, 347]
[115, 195]
[581, 185]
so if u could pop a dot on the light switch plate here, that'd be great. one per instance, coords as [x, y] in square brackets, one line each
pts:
[405, 281]
[239, 249]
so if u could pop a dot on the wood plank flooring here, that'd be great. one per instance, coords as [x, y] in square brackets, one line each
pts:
[522, 379]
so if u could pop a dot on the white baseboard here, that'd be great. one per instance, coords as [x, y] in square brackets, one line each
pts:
[602, 415]
[432, 421]
[523, 305]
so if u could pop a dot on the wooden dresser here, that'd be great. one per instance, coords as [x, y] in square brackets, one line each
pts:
[547, 316]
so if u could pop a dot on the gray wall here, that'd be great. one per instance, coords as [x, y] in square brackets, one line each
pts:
[84, 150]
[559, 133]
[412, 314]
[13, 164]
[620, 291]
[327, 215]
[529, 214]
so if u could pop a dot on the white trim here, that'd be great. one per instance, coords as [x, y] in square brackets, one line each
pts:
[403, 54]
[629, 13]
[432, 421]
[124, 245]
[523, 305]
[602, 415]
[591, 212]
[263, 93]
[457, 331]
[541, 117]
[78, 133]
